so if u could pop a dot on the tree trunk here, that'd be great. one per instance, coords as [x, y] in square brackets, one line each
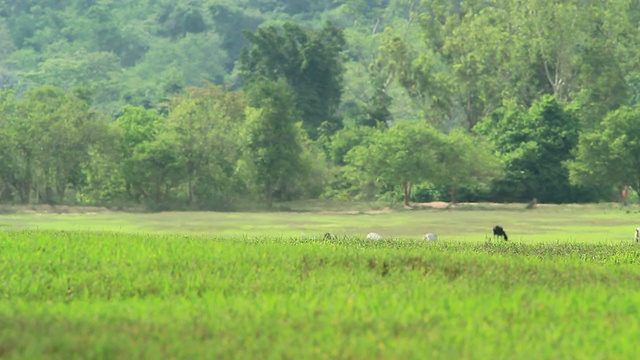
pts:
[61, 191]
[167, 191]
[24, 192]
[6, 195]
[268, 194]
[407, 193]
[127, 188]
[269, 199]
[48, 195]
[191, 192]
[454, 195]
[157, 193]
[191, 181]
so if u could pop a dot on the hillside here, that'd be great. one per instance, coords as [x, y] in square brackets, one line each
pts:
[141, 52]
[514, 100]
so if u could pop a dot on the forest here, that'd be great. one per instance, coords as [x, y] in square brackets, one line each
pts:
[216, 104]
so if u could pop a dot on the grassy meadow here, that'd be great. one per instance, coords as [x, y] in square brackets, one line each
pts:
[248, 285]
[548, 223]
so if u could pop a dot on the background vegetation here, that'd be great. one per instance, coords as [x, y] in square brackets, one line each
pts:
[220, 104]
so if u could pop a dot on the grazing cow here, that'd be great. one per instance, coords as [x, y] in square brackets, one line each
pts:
[329, 236]
[430, 237]
[637, 237]
[374, 236]
[499, 232]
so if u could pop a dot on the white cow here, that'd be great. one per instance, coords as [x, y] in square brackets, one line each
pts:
[637, 237]
[430, 237]
[374, 236]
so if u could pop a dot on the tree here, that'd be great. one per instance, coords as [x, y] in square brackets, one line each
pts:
[273, 140]
[104, 179]
[481, 53]
[137, 128]
[155, 166]
[310, 62]
[9, 168]
[401, 156]
[204, 125]
[340, 143]
[103, 32]
[6, 47]
[226, 22]
[179, 19]
[98, 71]
[466, 161]
[534, 144]
[149, 159]
[172, 65]
[52, 131]
[382, 42]
[18, 159]
[335, 148]
[610, 154]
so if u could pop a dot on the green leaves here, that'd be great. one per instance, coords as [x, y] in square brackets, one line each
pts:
[139, 129]
[273, 141]
[189, 157]
[534, 144]
[466, 161]
[50, 133]
[403, 155]
[310, 62]
[610, 153]
[204, 128]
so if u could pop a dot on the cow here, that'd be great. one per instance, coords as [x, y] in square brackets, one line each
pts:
[499, 232]
[430, 237]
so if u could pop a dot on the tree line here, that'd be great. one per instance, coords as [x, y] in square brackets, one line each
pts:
[212, 148]
[403, 100]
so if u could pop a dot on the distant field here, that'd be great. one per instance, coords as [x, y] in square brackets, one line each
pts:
[96, 284]
[95, 295]
[547, 223]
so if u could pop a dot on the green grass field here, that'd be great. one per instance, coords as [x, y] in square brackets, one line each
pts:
[247, 286]
[564, 223]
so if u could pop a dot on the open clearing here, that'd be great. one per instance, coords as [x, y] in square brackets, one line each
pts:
[103, 285]
[471, 222]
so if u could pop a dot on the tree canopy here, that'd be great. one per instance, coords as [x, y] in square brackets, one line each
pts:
[213, 103]
[610, 153]
[310, 63]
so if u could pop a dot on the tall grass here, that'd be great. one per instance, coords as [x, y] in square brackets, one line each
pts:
[111, 295]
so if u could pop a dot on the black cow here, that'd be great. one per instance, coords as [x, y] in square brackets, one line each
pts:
[329, 236]
[499, 231]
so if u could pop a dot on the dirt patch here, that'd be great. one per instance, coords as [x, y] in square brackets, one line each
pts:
[472, 205]
[434, 205]
[380, 211]
[355, 212]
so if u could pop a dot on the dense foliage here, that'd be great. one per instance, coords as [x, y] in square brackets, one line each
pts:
[155, 102]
